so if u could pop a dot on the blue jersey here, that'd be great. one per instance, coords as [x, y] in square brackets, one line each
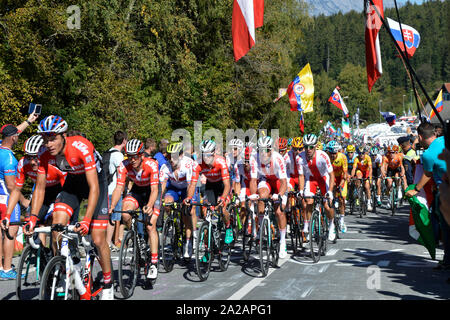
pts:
[8, 166]
[350, 161]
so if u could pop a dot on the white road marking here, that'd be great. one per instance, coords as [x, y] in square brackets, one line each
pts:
[238, 295]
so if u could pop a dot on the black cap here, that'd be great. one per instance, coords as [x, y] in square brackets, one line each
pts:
[403, 139]
[8, 130]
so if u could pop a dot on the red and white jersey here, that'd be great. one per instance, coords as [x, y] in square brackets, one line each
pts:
[24, 169]
[182, 176]
[147, 176]
[293, 166]
[78, 155]
[218, 171]
[318, 167]
[275, 169]
[244, 176]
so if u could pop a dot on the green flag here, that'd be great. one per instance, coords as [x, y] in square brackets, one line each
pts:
[420, 227]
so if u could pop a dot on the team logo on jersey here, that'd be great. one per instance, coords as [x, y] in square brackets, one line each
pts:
[81, 146]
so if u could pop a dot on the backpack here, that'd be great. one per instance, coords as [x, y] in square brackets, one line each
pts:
[106, 158]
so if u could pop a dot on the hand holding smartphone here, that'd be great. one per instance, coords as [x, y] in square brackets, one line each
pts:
[36, 108]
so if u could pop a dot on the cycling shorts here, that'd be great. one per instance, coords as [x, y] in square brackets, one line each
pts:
[75, 190]
[176, 194]
[214, 190]
[364, 174]
[337, 183]
[139, 196]
[312, 184]
[272, 185]
[392, 172]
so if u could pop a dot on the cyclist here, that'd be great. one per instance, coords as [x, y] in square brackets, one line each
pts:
[179, 172]
[144, 174]
[315, 170]
[272, 181]
[339, 163]
[377, 162]
[393, 167]
[28, 167]
[218, 185]
[76, 156]
[288, 160]
[246, 180]
[362, 169]
[236, 149]
[296, 148]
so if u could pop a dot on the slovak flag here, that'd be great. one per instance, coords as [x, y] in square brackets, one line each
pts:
[438, 104]
[247, 16]
[337, 100]
[411, 36]
[389, 117]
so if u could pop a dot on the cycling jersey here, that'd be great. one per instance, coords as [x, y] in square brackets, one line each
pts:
[395, 162]
[218, 172]
[181, 177]
[340, 165]
[272, 172]
[8, 167]
[350, 161]
[316, 171]
[363, 165]
[79, 157]
[243, 176]
[54, 175]
[145, 177]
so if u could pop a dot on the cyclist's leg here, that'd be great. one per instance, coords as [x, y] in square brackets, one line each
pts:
[263, 192]
[128, 203]
[65, 205]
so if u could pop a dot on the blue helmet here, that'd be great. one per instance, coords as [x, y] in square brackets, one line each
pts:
[52, 124]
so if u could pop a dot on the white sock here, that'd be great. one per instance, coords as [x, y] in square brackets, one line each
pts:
[6, 271]
[282, 235]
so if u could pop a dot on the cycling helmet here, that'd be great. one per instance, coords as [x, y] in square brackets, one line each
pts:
[395, 148]
[52, 124]
[333, 147]
[297, 142]
[236, 143]
[208, 146]
[282, 143]
[350, 148]
[32, 145]
[319, 146]
[289, 142]
[175, 147]
[361, 149]
[265, 142]
[310, 140]
[134, 146]
[374, 151]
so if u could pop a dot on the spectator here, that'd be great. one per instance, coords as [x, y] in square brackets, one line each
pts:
[116, 158]
[161, 156]
[444, 188]
[150, 147]
[8, 170]
[439, 130]
[433, 168]
[408, 159]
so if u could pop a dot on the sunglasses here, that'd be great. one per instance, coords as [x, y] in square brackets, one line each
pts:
[134, 157]
[310, 147]
[208, 155]
[29, 158]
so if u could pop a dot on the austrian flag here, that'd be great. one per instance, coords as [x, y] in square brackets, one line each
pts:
[247, 16]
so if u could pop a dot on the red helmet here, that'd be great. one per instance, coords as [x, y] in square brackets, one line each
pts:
[248, 153]
[282, 143]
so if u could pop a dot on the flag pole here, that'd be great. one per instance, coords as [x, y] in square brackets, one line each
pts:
[407, 62]
[407, 58]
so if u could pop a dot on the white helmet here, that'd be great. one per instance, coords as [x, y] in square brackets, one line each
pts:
[265, 142]
[236, 143]
[208, 146]
[310, 140]
[134, 146]
[32, 145]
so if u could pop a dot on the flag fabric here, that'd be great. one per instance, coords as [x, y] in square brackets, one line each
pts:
[411, 36]
[331, 127]
[373, 52]
[438, 104]
[302, 123]
[281, 93]
[346, 128]
[301, 91]
[247, 16]
[389, 117]
[420, 227]
[337, 100]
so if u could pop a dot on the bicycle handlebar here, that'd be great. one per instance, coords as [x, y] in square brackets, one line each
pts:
[6, 232]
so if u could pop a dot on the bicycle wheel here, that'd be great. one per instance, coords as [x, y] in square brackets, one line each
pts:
[169, 245]
[31, 266]
[128, 264]
[337, 227]
[315, 234]
[393, 199]
[264, 246]
[55, 283]
[204, 251]
[361, 201]
[297, 231]
[325, 230]
[374, 197]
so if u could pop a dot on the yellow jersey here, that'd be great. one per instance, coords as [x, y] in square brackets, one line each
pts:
[363, 165]
[340, 165]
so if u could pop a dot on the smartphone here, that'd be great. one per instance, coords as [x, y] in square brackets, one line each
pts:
[35, 108]
[447, 134]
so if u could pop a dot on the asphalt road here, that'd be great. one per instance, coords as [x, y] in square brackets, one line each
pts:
[375, 259]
